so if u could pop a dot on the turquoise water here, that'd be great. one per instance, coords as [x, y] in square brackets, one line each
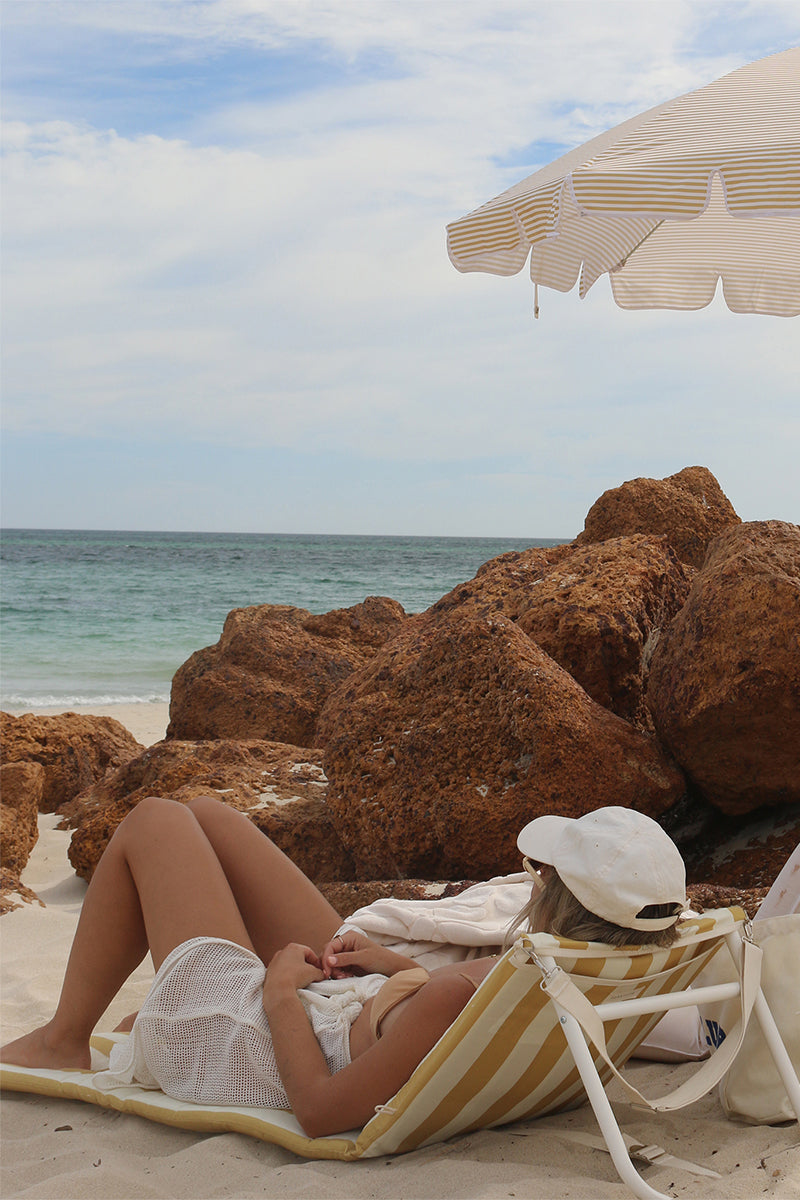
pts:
[92, 617]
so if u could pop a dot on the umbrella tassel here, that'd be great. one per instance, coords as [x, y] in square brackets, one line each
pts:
[536, 301]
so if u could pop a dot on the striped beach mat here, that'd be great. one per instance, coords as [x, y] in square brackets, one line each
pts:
[503, 1059]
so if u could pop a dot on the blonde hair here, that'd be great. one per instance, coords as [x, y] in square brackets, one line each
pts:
[553, 909]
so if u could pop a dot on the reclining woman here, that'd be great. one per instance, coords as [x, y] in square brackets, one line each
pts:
[258, 1000]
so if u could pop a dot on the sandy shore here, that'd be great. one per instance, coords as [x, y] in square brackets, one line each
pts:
[59, 1150]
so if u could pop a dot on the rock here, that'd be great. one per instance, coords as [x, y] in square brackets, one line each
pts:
[689, 507]
[21, 786]
[74, 750]
[503, 586]
[703, 896]
[273, 668]
[599, 612]
[458, 733]
[13, 893]
[744, 852]
[348, 896]
[280, 788]
[724, 686]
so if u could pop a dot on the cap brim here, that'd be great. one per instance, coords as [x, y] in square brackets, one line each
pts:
[539, 838]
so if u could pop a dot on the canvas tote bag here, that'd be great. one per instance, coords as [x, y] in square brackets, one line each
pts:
[752, 1089]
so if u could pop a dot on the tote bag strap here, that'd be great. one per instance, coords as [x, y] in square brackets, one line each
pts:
[564, 992]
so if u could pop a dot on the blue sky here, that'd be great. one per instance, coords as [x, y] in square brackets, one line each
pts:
[227, 301]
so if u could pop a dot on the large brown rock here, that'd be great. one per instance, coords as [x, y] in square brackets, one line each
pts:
[599, 612]
[458, 733]
[280, 788]
[74, 751]
[504, 585]
[21, 786]
[747, 851]
[13, 893]
[689, 507]
[724, 687]
[273, 668]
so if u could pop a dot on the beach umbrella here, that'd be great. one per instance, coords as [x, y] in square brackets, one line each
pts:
[702, 188]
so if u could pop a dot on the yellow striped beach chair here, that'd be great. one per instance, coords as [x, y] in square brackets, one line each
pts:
[548, 1027]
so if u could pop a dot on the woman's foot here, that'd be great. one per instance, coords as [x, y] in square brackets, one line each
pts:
[42, 1049]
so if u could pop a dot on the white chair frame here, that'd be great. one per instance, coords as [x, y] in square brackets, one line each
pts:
[614, 1010]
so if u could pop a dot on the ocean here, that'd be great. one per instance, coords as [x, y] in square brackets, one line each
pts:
[94, 617]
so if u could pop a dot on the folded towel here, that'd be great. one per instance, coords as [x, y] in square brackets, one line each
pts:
[453, 928]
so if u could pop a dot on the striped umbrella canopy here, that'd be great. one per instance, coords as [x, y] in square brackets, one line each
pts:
[705, 187]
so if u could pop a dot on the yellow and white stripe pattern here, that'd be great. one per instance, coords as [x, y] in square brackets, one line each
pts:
[504, 1059]
[703, 188]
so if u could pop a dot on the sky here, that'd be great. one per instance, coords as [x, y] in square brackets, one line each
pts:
[227, 302]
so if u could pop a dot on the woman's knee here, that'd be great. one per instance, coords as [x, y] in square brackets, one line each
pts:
[204, 806]
[150, 814]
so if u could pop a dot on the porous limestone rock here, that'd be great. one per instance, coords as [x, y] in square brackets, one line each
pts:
[503, 586]
[75, 751]
[21, 786]
[13, 893]
[458, 733]
[744, 851]
[280, 788]
[689, 507]
[724, 686]
[273, 668]
[347, 896]
[599, 612]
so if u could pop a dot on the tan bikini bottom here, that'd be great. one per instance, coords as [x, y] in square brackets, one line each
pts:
[399, 987]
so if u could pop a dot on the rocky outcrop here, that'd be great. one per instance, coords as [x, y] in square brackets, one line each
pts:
[347, 896]
[13, 893]
[460, 731]
[281, 789]
[724, 687]
[21, 791]
[600, 611]
[273, 668]
[597, 610]
[503, 586]
[75, 751]
[689, 507]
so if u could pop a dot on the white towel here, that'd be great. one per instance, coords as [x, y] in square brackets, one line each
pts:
[453, 928]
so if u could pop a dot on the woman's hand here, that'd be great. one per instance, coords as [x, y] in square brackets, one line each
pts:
[291, 968]
[345, 955]
[352, 953]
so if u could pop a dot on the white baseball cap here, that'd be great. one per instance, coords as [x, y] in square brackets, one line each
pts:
[615, 861]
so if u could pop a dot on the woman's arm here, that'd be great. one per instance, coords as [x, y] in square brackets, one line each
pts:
[326, 1104]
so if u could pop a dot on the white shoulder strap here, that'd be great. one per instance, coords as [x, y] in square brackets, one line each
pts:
[563, 991]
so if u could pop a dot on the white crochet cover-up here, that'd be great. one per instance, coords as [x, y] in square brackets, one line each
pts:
[202, 1034]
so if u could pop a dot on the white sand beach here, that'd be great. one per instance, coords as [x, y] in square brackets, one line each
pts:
[59, 1150]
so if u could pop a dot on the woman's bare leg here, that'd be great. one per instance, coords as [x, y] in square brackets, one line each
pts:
[278, 902]
[158, 884]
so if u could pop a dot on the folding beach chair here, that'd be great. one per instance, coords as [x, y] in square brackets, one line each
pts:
[550, 1025]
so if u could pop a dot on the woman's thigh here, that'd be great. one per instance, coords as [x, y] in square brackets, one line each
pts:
[279, 904]
[182, 888]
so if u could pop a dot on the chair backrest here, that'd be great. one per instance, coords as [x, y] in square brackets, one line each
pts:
[505, 1058]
